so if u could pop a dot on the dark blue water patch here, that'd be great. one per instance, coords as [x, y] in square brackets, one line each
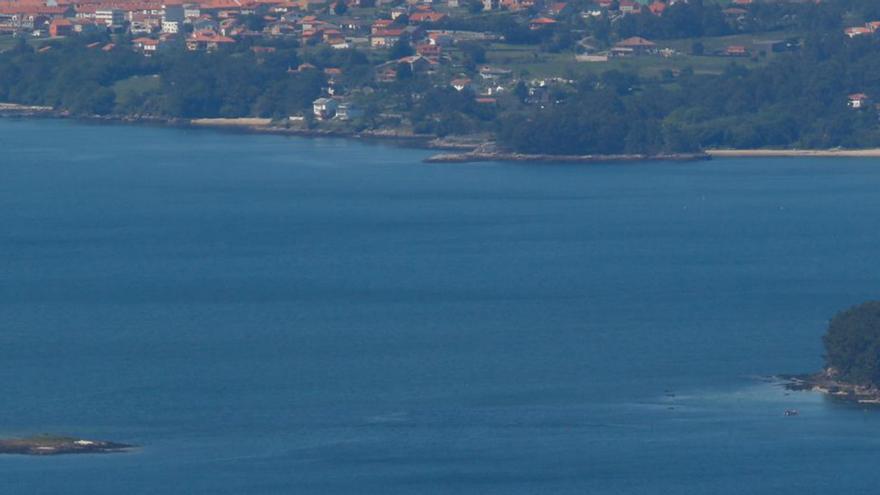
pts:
[277, 315]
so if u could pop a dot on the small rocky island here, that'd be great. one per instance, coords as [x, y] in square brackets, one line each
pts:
[852, 357]
[55, 445]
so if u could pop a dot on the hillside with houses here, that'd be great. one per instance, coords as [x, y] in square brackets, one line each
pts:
[582, 76]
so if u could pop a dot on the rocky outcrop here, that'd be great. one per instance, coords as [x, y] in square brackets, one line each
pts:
[52, 445]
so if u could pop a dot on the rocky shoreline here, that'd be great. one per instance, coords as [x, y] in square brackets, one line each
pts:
[52, 445]
[423, 141]
[826, 383]
[462, 149]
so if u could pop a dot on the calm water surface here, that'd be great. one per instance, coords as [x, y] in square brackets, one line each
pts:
[270, 315]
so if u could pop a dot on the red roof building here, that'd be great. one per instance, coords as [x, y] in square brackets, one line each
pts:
[657, 8]
[207, 41]
[736, 51]
[541, 23]
[423, 17]
[60, 27]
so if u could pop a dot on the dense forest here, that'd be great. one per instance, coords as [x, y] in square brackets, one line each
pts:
[799, 100]
[852, 344]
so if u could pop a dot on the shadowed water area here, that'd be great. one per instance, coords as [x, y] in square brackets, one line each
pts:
[269, 315]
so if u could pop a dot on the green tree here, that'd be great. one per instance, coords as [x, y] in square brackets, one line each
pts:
[474, 53]
[521, 91]
[400, 49]
[852, 344]
[404, 72]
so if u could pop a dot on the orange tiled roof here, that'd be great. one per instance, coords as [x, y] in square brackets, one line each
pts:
[31, 9]
[210, 37]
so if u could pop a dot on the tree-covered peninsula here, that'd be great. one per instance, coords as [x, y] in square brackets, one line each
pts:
[852, 345]
[852, 357]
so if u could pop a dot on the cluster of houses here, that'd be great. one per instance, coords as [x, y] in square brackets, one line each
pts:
[213, 23]
[490, 83]
[208, 25]
[616, 8]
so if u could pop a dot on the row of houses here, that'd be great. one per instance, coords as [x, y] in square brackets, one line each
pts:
[159, 21]
[284, 18]
[171, 14]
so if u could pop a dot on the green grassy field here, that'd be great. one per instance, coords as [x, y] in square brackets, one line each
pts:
[528, 60]
[752, 41]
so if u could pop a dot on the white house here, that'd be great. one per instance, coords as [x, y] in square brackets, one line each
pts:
[858, 100]
[110, 17]
[462, 84]
[348, 111]
[325, 108]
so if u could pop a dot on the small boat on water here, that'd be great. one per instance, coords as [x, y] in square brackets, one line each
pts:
[791, 412]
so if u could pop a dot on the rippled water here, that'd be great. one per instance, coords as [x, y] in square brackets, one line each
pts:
[272, 315]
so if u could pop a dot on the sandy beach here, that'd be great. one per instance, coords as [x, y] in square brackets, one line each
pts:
[762, 153]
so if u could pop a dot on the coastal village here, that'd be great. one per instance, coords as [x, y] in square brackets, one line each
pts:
[435, 39]
[244, 310]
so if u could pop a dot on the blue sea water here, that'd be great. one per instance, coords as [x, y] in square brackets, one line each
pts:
[270, 315]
